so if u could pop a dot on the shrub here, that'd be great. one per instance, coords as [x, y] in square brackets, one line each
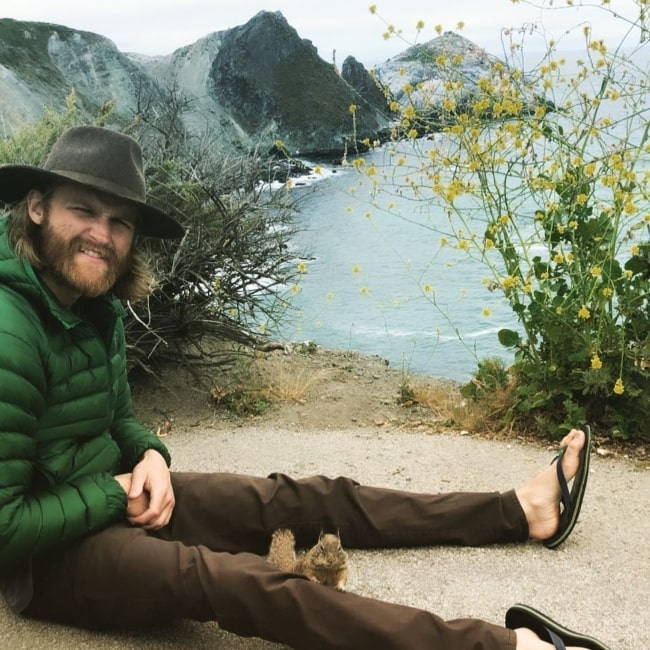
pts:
[230, 274]
[542, 176]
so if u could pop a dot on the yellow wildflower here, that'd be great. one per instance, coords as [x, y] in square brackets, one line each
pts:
[487, 312]
[596, 363]
[619, 387]
[449, 104]
[584, 313]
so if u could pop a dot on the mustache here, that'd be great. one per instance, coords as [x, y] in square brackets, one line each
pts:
[105, 251]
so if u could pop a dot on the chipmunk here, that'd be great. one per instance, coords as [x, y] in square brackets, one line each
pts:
[326, 562]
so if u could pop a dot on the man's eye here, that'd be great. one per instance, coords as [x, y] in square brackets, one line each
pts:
[125, 223]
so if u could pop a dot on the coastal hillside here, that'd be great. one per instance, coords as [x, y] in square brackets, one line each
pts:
[248, 86]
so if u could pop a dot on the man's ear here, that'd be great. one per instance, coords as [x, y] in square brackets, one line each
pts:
[36, 206]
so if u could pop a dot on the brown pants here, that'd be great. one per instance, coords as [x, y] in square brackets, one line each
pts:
[206, 564]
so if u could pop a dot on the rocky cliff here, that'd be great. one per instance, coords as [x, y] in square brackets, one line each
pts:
[420, 76]
[244, 87]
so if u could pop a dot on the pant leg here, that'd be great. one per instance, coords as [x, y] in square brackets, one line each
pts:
[230, 512]
[125, 576]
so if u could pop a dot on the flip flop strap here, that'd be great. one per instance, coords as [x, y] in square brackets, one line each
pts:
[565, 498]
[556, 640]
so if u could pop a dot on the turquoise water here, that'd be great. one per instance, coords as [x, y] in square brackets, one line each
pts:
[383, 284]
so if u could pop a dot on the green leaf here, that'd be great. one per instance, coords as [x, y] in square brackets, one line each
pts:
[509, 338]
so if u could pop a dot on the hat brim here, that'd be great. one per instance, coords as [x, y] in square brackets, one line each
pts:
[17, 180]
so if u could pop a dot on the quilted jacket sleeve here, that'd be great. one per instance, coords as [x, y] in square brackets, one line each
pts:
[132, 438]
[36, 515]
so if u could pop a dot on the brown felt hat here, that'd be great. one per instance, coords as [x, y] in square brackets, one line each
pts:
[101, 159]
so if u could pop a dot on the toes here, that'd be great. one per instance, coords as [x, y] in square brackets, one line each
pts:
[574, 440]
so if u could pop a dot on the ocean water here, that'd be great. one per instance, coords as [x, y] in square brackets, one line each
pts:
[384, 284]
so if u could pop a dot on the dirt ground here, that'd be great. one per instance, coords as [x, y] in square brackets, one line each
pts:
[306, 389]
[313, 388]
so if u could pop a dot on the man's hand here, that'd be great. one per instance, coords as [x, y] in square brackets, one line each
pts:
[150, 493]
[134, 507]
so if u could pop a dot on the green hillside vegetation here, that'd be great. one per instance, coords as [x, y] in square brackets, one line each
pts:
[23, 49]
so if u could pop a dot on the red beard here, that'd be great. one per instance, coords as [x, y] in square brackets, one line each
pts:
[61, 257]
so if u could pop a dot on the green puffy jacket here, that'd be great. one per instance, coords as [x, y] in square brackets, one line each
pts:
[66, 420]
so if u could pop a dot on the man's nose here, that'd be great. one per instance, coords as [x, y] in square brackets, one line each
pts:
[100, 230]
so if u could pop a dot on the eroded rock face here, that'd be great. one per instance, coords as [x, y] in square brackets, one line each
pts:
[419, 77]
[419, 67]
[367, 84]
[274, 83]
[247, 86]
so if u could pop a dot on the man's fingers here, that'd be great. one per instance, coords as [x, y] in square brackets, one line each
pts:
[151, 520]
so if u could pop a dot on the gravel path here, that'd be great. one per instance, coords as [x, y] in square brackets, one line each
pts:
[597, 582]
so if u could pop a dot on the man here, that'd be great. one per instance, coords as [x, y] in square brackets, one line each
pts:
[94, 528]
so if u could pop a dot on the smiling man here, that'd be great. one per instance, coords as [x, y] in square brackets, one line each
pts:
[85, 240]
[96, 531]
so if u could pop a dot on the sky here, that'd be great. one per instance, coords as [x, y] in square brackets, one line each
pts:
[158, 27]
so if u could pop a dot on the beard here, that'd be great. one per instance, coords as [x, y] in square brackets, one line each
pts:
[62, 263]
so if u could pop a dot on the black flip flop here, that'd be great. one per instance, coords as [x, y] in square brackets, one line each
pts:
[549, 630]
[571, 501]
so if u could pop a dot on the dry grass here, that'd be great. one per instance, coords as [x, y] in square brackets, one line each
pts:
[485, 415]
[284, 384]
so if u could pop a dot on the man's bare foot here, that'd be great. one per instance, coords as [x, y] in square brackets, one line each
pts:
[528, 640]
[540, 496]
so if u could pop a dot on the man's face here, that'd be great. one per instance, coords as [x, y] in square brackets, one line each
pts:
[85, 240]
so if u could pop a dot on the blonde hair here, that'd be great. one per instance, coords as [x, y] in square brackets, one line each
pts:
[136, 284]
